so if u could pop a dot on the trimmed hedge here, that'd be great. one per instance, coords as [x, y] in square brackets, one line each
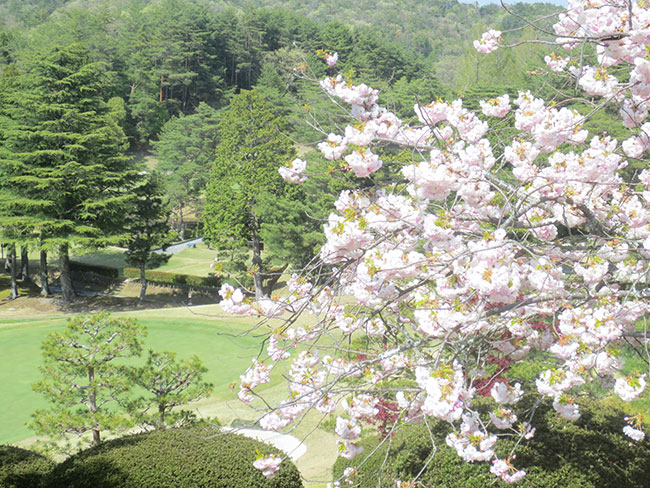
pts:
[107, 271]
[20, 468]
[591, 452]
[174, 458]
[163, 278]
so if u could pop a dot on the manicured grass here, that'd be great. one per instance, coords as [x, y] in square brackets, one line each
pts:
[193, 261]
[218, 342]
[19, 361]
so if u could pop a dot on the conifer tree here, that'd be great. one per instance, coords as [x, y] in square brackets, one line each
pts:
[251, 150]
[185, 151]
[81, 378]
[148, 227]
[64, 172]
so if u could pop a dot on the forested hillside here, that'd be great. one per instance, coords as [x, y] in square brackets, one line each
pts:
[170, 68]
[439, 31]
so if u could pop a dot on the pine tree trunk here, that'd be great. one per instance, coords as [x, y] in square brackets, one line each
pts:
[181, 221]
[24, 263]
[11, 256]
[162, 80]
[257, 265]
[92, 405]
[65, 279]
[45, 285]
[143, 283]
[161, 415]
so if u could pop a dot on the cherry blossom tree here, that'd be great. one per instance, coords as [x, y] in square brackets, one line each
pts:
[475, 254]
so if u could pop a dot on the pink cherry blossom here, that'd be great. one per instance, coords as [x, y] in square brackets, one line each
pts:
[294, 173]
[634, 434]
[488, 42]
[269, 465]
[475, 249]
[331, 58]
[334, 147]
[630, 388]
[504, 393]
[556, 63]
[497, 107]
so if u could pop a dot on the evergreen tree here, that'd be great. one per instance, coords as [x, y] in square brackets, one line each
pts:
[185, 150]
[251, 150]
[171, 383]
[81, 378]
[62, 158]
[147, 224]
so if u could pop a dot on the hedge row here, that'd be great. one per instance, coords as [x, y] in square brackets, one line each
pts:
[163, 278]
[174, 458]
[591, 452]
[107, 271]
[194, 457]
[20, 468]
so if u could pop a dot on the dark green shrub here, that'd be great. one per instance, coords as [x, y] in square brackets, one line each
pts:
[164, 278]
[20, 468]
[175, 458]
[591, 452]
[106, 271]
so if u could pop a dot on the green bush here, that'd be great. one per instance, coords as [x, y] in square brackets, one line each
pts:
[20, 468]
[175, 458]
[591, 452]
[164, 278]
[107, 271]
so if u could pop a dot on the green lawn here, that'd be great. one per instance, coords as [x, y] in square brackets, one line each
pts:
[194, 261]
[218, 342]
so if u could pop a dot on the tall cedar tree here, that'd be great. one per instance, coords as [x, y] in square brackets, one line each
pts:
[14, 227]
[251, 150]
[147, 226]
[185, 151]
[81, 378]
[65, 175]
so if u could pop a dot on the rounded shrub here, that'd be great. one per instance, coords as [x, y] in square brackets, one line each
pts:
[591, 452]
[20, 468]
[174, 458]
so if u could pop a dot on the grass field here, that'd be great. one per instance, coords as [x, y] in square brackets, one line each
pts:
[224, 344]
[194, 261]
[219, 343]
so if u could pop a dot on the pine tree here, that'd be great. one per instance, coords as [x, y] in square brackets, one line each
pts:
[64, 172]
[81, 378]
[148, 227]
[251, 150]
[185, 150]
[170, 383]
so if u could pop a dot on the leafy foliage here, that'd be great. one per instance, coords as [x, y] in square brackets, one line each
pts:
[252, 148]
[147, 224]
[20, 468]
[185, 150]
[168, 278]
[64, 171]
[590, 452]
[171, 458]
